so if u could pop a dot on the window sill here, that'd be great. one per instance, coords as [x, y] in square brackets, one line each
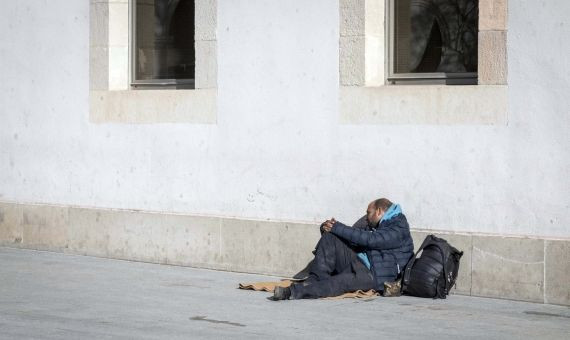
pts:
[424, 104]
[153, 106]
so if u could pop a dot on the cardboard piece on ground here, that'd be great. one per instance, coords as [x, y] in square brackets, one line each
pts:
[265, 286]
[270, 287]
[359, 294]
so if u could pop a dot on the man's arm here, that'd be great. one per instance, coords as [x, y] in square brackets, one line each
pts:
[387, 237]
[362, 223]
[326, 227]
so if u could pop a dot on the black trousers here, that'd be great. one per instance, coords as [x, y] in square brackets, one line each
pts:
[335, 270]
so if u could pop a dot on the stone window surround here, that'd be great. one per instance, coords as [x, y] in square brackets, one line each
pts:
[111, 98]
[366, 98]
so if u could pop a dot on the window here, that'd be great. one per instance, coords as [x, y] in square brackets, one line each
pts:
[433, 41]
[163, 52]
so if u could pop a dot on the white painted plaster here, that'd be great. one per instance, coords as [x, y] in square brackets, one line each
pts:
[278, 150]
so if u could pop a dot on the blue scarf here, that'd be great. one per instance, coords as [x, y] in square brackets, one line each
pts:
[391, 212]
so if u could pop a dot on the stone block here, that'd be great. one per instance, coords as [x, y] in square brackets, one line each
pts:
[492, 54]
[352, 17]
[193, 241]
[119, 234]
[274, 248]
[361, 50]
[99, 24]
[374, 60]
[557, 272]
[45, 227]
[99, 45]
[206, 64]
[149, 237]
[89, 231]
[375, 17]
[153, 106]
[508, 267]
[118, 68]
[206, 18]
[415, 104]
[352, 60]
[134, 235]
[493, 15]
[118, 24]
[98, 68]
[11, 232]
[462, 242]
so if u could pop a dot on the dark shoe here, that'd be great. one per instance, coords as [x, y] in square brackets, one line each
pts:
[281, 293]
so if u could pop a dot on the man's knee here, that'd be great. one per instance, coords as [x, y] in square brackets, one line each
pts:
[327, 240]
[330, 237]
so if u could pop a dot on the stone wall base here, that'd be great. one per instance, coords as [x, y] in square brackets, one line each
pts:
[509, 267]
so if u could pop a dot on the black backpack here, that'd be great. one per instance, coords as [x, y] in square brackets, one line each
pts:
[433, 272]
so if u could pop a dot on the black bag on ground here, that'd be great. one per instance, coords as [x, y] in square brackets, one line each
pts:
[432, 271]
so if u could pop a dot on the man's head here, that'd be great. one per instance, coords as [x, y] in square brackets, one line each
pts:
[376, 210]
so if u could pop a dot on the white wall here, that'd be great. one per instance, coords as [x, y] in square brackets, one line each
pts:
[278, 151]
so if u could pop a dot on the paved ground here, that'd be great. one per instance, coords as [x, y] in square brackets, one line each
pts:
[54, 296]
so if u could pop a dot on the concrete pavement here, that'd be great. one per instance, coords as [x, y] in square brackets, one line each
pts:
[46, 295]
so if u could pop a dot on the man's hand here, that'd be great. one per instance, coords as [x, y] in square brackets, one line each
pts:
[327, 225]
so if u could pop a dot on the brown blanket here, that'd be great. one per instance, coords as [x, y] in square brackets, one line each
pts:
[270, 287]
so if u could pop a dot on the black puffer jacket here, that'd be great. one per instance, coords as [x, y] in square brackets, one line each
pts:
[389, 247]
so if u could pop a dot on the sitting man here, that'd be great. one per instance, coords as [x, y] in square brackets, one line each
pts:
[348, 259]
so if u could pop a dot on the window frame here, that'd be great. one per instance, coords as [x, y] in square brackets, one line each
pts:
[154, 83]
[442, 78]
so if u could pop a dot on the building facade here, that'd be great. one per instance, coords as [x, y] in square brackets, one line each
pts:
[292, 112]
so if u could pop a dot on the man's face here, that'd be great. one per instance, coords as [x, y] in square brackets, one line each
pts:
[373, 215]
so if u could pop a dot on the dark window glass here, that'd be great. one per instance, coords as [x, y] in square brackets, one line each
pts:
[432, 36]
[164, 39]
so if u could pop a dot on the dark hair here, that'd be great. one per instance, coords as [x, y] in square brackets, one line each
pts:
[382, 203]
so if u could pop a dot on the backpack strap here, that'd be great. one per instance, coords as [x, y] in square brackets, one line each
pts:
[408, 270]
